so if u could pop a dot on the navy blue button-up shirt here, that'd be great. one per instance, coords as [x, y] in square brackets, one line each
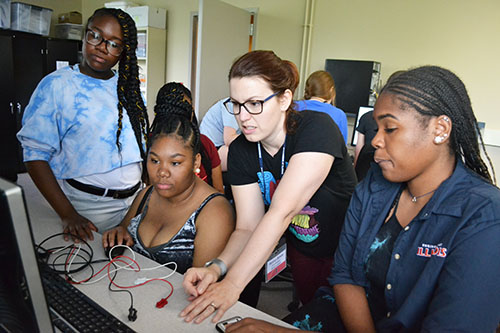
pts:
[444, 273]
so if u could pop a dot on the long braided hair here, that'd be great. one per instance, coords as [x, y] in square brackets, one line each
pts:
[174, 115]
[129, 94]
[433, 91]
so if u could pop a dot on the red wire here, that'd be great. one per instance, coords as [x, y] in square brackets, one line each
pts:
[140, 284]
[116, 259]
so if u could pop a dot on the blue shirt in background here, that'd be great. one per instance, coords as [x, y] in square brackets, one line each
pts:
[337, 114]
[214, 121]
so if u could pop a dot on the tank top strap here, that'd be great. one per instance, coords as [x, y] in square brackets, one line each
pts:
[207, 199]
[145, 200]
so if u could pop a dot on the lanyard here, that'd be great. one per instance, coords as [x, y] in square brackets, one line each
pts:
[261, 164]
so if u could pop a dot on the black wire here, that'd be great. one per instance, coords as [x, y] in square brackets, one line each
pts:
[67, 254]
[115, 272]
[98, 261]
[45, 253]
[62, 234]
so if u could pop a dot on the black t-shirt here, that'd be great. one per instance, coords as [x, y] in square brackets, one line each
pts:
[315, 230]
[368, 127]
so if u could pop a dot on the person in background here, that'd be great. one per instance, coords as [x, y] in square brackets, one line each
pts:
[419, 249]
[319, 95]
[220, 127]
[87, 126]
[367, 129]
[210, 169]
[289, 171]
[174, 218]
[363, 153]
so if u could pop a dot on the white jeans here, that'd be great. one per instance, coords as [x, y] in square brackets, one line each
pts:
[105, 212]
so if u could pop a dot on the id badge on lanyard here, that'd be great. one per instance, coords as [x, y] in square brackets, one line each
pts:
[277, 261]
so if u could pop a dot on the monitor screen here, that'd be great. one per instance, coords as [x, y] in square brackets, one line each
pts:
[361, 112]
[23, 306]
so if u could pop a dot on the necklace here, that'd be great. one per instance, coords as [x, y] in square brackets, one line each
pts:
[414, 198]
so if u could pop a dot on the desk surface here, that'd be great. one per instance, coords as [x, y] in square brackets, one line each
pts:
[45, 222]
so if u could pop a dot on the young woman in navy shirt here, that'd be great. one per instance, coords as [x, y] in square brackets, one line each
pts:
[420, 244]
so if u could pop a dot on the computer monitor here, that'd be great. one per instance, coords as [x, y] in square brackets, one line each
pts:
[23, 306]
[361, 112]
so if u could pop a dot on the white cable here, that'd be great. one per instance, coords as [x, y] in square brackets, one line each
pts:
[128, 267]
[63, 248]
[73, 258]
[120, 245]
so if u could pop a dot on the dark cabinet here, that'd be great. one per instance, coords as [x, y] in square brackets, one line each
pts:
[24, 60]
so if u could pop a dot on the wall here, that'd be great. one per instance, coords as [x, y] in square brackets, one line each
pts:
[460, 35]
[279, 26]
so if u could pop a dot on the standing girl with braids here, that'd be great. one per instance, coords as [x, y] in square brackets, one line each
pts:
[87, 126]
[420, 245]
[179, 217]
[289, 171]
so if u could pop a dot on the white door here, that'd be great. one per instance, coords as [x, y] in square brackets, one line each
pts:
[223, 36]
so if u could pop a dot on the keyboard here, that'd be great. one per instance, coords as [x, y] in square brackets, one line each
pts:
[73, 311]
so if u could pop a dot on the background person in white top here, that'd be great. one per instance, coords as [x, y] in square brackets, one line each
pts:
[220, 127]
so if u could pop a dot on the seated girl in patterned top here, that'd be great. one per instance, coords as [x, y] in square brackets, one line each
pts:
[174, 218]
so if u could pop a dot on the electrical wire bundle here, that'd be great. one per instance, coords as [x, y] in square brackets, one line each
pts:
[66, 256]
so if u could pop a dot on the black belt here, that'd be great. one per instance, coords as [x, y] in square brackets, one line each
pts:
[115, 194]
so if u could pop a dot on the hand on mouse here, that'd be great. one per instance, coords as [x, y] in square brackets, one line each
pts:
[114, 252]
[117, 235]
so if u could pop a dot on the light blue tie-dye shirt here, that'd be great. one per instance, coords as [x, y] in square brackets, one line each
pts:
[71, 122]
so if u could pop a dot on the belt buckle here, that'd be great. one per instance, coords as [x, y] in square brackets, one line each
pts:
[116, 195]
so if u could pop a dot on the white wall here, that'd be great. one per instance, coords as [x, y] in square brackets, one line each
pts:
[461, 35]
[279, 26]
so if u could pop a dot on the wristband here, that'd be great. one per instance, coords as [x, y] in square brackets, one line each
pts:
[219, 263]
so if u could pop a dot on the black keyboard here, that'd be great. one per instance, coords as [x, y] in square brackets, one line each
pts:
[73, 311]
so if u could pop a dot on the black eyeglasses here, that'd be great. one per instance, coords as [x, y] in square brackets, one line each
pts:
[252, 106]
[94, 38]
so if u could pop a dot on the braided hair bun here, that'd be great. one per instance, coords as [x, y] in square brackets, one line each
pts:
[174, 114]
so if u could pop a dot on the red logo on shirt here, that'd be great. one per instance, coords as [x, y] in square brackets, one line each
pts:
[428, 250]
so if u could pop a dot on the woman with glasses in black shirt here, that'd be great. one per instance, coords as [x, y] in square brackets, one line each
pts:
[289, 172]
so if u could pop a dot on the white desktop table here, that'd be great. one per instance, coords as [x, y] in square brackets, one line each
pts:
[45, 222]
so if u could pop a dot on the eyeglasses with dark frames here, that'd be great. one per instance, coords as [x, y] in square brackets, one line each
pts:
[252, 106]
[94, 38]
